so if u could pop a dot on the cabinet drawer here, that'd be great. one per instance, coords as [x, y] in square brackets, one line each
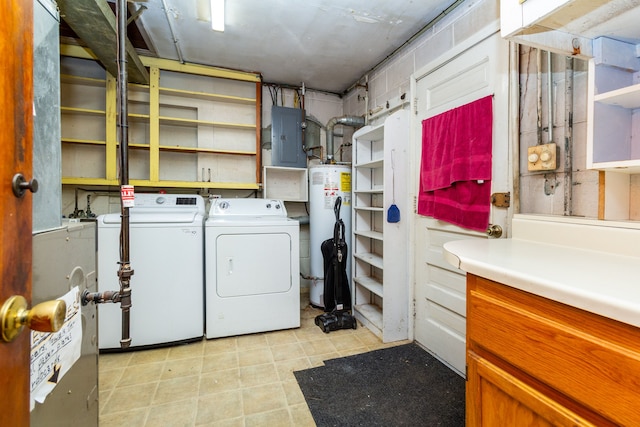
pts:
[586, 358]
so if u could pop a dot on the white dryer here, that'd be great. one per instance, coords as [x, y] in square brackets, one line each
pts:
[167, 287]
[252, 267]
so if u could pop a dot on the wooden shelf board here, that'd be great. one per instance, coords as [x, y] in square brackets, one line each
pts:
[370, 191]
[82, 141]
[137, 86]
[370, 258]
[368, 208]
[621, 166]
[371, 313]
[373, 164]
[194, 122]
[207, 96]
[138, 117]
[626, 97]
[369, 234]
[89, 181]
[173, 184]
[206, 150]
[370, 133]
[87, 81]
[87, 111]
[371, 284]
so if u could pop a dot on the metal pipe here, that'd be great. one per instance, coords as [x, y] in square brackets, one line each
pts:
[125, 272]
[353, 121]
[539, 94]
[549, 96]
[176, 43]
[303, 118]
[514, 125]
[568, 136]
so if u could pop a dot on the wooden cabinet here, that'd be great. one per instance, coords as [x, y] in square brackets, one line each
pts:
[380, 248]
[533, 361]
[192, 126]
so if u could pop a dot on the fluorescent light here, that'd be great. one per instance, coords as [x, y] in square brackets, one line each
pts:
[217, 15]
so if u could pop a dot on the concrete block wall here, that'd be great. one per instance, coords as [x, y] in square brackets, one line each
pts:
[392, 78]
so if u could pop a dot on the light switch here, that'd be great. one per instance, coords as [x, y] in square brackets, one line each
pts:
[542, 157]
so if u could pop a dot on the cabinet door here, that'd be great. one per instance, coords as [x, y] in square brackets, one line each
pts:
[497, 398]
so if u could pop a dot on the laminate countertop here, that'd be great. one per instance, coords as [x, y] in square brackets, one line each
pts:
[600, 282]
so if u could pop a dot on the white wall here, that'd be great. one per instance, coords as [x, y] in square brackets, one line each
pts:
[392, 78]
[544, 192]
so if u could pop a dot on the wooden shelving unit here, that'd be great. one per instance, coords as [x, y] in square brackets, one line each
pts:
[191, 127]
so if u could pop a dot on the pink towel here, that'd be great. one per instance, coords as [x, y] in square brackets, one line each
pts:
[455, 173]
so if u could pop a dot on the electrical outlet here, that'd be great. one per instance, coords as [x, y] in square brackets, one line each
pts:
[542, 157]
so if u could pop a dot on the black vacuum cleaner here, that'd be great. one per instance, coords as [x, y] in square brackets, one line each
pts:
[337, 294]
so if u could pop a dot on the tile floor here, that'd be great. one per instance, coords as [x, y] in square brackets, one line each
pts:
[238, 381]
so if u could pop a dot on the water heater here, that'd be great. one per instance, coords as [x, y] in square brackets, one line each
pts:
[326, 183]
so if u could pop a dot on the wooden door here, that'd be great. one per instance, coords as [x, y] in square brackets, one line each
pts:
[478, 69]
[16, 112]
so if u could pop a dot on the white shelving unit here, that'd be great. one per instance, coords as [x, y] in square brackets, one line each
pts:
[613, 139]
[284, 183]
[379, 248]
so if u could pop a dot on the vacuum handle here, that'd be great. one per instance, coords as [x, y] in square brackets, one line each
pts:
[336, 207]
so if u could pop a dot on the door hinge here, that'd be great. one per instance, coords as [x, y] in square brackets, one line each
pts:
[415, 106]
[501, 200]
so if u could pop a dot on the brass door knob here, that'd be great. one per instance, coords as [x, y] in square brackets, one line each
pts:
[494, 230]
[47, 316]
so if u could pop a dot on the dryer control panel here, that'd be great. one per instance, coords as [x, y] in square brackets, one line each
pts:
[247, 207]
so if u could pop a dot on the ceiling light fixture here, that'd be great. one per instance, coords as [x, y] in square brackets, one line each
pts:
[217, 15]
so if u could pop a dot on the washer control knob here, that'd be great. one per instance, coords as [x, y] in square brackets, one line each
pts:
[224, 205]
[268, 205]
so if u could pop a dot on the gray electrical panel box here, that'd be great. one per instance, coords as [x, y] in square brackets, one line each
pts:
[286, 137]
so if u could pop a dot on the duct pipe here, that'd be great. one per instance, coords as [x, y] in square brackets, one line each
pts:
[353, 121]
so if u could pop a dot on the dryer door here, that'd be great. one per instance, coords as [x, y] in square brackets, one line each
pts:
[253, 264]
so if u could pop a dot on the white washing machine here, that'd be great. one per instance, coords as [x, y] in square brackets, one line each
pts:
[252, 267]
[167, 287]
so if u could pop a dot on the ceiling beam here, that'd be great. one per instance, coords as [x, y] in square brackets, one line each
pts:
[94, 22]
